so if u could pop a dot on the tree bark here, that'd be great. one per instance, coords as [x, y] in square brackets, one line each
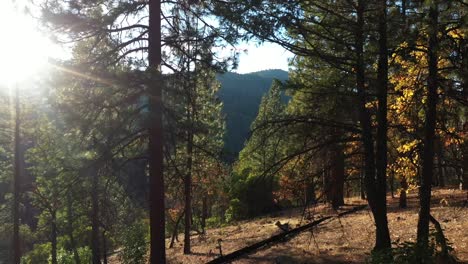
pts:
[336, 183]
[464, 148]
[382, 240]
[310, 196]
[440, 163]
[464, 184]
[104, 247]
[362, 188]
[392, 184]
[383, 234]
[204, 213]
[188, 191]
[403, 190]
[175, 231]
[17, 184]
[429, 130]
[156, 177]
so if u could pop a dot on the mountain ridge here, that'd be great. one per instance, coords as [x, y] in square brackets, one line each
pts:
[240, 113]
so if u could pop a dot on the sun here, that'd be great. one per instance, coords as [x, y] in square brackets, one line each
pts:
[24, 51]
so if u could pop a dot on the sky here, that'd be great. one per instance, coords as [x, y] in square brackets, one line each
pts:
[20, 59]
[264, 57]
[15, 50]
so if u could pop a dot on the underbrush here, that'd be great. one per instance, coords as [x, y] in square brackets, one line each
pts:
[439, 250]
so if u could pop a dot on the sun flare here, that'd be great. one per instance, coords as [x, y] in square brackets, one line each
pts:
[24, 51]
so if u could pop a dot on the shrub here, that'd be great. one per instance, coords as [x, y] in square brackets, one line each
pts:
[235, 211]
[410, 252]
[134, 244]
[39, 254]
[215, 221]
[66, 257]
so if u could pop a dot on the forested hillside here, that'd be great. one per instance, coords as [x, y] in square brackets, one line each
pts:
[241, 95]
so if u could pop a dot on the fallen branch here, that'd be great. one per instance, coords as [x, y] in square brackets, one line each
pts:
[278, 238]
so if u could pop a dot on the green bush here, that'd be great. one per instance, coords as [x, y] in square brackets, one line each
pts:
[134, 244]
[66, 257]
[235, 211]
[214, 222]
[39, 254]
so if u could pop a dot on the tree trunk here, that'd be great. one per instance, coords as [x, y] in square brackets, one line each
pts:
[95, 216]
[382, 126]
[188, 190]
[403, 13]
[429, 130]
[70, 218]
[362, 188]
[17, 184]
[383, 234]
[204, 213]
[392, 184]
[378, 208]
[53, 236]
[325, 181]
[104, 247]
[403, 190]
[175, 232]
[440, 161]
[310, 196]
[336, 183]
[464, 184]
[156, 177]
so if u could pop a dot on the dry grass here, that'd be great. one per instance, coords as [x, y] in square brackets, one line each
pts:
[345, 240]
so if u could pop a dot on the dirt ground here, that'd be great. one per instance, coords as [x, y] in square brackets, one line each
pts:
[347, 239]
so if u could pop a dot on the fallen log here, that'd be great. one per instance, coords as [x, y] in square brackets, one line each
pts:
[278, 238]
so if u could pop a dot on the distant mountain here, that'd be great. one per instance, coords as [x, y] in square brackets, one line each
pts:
[241, 95]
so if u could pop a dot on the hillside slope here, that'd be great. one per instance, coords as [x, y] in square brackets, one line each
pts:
[241, 95]
[345, 240]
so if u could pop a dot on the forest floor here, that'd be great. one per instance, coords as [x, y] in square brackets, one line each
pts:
[348, 239]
